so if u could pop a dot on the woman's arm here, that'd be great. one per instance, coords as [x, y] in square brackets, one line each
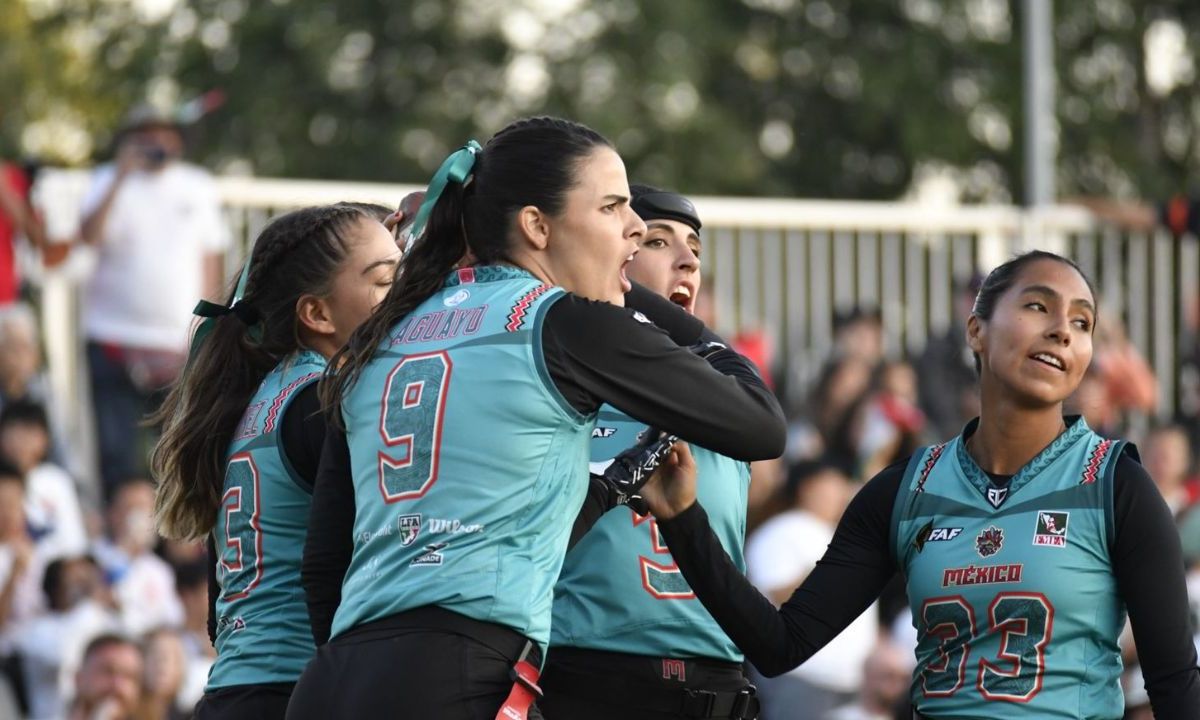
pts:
[600, 353]
[841, 587]
[303, 433]
[330, 541]
[1148, 565]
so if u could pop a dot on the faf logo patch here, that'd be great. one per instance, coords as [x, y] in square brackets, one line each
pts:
[603, 432]
[1051, 528]
[989, 541]
[410, 527]
[929, 533]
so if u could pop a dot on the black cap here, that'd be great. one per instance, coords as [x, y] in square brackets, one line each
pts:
[650, 203]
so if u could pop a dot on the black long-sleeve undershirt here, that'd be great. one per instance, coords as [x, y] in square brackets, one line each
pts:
[1146, 558]
[595, 353]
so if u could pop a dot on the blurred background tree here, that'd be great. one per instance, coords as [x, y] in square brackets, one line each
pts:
[814, 98]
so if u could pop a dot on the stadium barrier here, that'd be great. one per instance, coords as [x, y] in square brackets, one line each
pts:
[785, 267]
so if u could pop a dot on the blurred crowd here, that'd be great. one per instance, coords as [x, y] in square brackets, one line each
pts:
[101, 618]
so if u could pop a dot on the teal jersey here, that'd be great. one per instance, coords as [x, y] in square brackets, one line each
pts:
[621, 591]
[1012, 589]
[469, 466]
[263, 633]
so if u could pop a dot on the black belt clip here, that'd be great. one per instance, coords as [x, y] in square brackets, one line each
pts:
[746, 705]
[698, 703]
[740, 705]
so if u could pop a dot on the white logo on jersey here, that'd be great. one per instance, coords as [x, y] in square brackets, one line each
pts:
[641, 318]
[457, 298]
[940, 534]
[436, 526]
[996, 495]
[603, 432]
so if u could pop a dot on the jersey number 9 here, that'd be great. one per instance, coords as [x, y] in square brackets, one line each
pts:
[410, 423]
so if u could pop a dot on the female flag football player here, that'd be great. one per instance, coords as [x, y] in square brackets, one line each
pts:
[1024, 541]
[468, 402]
[243, 429]
[628, 638]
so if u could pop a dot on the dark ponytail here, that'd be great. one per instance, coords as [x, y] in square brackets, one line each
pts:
[296, 254]
[535, 162]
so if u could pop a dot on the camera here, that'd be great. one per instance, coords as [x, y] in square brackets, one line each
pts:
[155, 156]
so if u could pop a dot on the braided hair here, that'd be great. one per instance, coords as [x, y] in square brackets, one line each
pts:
[533, 161]
[296, 254]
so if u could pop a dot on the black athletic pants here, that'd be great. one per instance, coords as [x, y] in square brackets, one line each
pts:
[420, 664]
[245, 702]
[596, 685]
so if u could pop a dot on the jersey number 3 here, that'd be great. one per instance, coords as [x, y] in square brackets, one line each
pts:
[410, 423]
[241, 555]
[1023, 621]
[664, 582]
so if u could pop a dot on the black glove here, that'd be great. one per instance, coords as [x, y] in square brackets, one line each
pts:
[632, 468]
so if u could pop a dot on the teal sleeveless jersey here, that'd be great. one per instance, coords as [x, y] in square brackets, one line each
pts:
[1012, 590]
[621, 591]
[469, 466]
[263, 633]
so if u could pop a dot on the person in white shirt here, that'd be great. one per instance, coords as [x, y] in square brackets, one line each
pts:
[779, 555]
[156, 224]
[20, 566]
[143, 585]
[52, 644]
[51, 501]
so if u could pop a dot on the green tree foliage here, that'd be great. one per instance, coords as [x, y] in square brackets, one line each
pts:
[818, 98]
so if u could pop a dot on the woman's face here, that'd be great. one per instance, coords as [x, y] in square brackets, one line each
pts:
[363, 279]
[668, 262]
[1038, 343]
[590, 242]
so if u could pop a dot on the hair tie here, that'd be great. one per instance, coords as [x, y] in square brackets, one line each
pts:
[457, 168]
[210, 311]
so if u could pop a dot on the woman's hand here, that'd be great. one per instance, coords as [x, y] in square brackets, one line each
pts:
[672, 488]
[399, 222]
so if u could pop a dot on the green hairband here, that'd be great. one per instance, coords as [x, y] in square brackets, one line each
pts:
[210, 311]
[456, 168]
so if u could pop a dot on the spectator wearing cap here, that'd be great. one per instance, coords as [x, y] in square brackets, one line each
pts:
[156, 225]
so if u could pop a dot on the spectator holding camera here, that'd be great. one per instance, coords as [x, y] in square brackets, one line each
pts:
[156, 225]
